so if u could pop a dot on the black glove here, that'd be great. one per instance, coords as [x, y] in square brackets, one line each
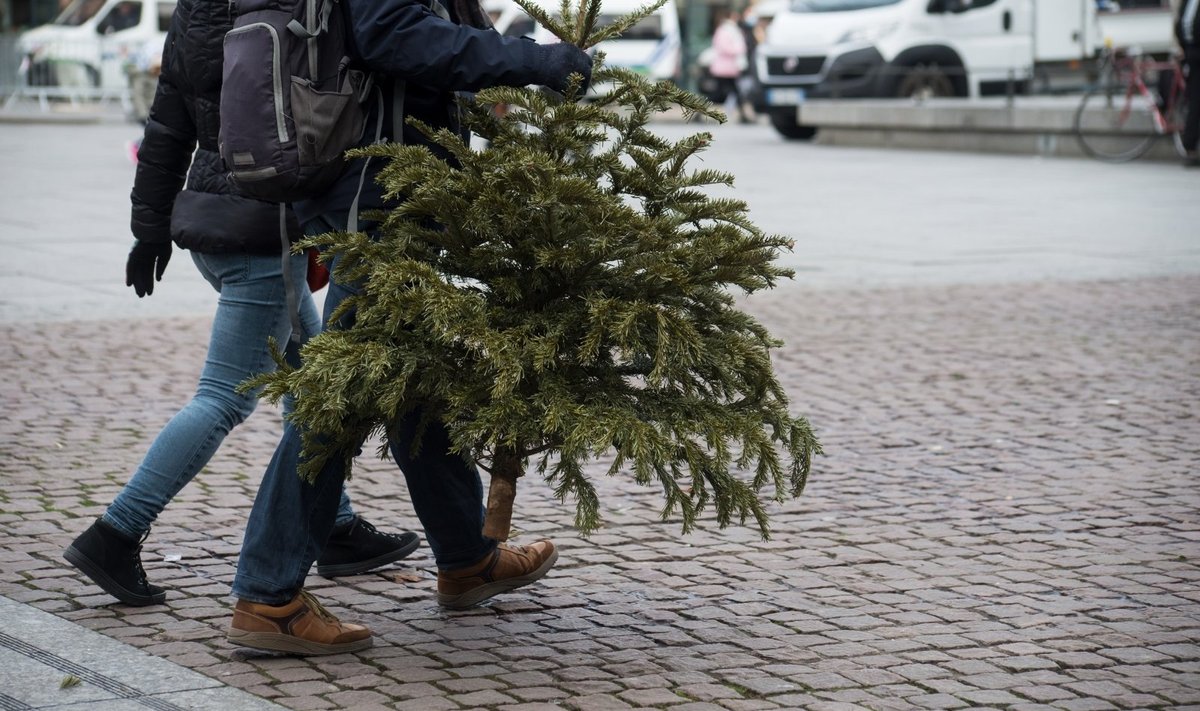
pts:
[558, 61]
[146, 265]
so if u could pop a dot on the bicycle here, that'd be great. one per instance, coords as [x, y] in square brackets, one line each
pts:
[1120, 118]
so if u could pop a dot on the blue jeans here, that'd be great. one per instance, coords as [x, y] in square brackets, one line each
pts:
[291, 519]
[252, 307]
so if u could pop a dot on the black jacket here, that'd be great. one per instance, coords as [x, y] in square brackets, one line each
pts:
[207, 217]
[406, 40]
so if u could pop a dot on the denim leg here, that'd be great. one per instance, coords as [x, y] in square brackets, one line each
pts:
[288, 526]
[252, 307]
[291, 519]
[446, 493]
[310, 321]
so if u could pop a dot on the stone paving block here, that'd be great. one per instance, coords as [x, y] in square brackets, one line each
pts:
[1000, 506]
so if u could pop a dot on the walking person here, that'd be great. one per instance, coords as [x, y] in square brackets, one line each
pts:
[1187, 31]
[235, 243]
[729, 61]
[444, 50]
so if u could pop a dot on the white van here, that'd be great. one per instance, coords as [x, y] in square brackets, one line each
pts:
[92, 41]
[883, 48]
[651, 47]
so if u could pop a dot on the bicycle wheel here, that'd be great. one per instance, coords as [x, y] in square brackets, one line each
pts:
[1113, 125]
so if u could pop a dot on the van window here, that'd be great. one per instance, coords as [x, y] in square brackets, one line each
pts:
[123, 16]
[837, 5]
[165, 10]
[79, 12]
[647, 28]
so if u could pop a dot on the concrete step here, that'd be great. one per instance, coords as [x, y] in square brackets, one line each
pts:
[1026, 125]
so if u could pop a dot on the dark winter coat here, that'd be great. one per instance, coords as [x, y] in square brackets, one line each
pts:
[208, 216]
[407, 40]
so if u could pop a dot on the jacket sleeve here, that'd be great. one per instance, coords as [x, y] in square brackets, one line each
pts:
[405, 39]
[165, 152]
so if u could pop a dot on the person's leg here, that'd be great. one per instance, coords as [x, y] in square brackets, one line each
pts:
[251, 308]
[740, 97]
[289, 525]
[1191, 130]
[310, 321]
[446, 493]
[448, 497]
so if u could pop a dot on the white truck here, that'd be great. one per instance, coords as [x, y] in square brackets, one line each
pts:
[921, 48]
[91, 42]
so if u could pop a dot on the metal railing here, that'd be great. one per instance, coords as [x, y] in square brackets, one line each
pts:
[79, 75]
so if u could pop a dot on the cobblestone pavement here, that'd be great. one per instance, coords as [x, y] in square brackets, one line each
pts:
[1006, 517]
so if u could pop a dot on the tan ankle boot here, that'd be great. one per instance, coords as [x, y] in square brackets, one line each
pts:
[506, 568]
[302, 626]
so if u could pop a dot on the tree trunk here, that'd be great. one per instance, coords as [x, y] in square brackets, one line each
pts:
[506, 467]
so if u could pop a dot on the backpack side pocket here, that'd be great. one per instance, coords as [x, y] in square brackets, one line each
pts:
[327, 122]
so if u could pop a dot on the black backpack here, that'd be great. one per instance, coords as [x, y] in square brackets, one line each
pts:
[290, 104]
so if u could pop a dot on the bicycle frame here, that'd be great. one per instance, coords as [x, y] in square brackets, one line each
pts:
[1123, 133]
[1131, 71]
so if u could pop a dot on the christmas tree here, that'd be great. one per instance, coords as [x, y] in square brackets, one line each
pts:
[561, 295]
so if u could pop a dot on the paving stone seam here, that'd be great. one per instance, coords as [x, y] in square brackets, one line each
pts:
[90, 676]
[8, 703]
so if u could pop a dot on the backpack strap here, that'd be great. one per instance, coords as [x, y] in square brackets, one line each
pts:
[352, 218]
[289, 286]
[318, 22]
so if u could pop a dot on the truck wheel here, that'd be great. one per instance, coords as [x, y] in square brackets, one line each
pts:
[785, 123]
[925, 81]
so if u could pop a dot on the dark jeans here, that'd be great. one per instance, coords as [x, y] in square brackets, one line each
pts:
[292, 519]
[1191, 125]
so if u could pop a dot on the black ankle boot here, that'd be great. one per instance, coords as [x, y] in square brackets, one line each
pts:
[113, 561]
[358, 546]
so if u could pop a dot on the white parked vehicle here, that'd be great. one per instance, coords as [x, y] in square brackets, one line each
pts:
[883, 48]
[651, 47]
[92, 42]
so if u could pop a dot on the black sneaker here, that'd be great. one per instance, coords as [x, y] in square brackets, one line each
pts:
[113, 560]
[358, 547]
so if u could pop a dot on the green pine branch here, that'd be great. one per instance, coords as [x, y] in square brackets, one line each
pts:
[563, 294]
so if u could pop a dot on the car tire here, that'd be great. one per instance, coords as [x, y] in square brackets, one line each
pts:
[784, 122]
[925, 80]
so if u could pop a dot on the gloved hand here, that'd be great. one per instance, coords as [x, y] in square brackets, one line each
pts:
[146, 265]
[559, 61]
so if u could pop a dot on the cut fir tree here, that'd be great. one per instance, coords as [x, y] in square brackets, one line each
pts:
[561, 295]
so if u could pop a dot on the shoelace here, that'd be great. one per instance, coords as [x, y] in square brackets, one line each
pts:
[317, 608]
[371, 530]
[137, 561]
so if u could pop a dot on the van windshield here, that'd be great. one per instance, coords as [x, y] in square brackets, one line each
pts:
[79, 12]
[837, 5]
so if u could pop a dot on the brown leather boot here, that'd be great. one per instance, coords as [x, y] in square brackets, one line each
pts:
[302, 626]
[506, 568]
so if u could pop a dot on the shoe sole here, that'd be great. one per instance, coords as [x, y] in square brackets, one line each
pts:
[333, 571]
[279, 642]
[97, 575]
[477, 595]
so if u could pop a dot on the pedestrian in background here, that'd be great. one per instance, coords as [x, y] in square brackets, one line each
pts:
[729, 61]
[445, 50]
[1187, 32]
[235, 243]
